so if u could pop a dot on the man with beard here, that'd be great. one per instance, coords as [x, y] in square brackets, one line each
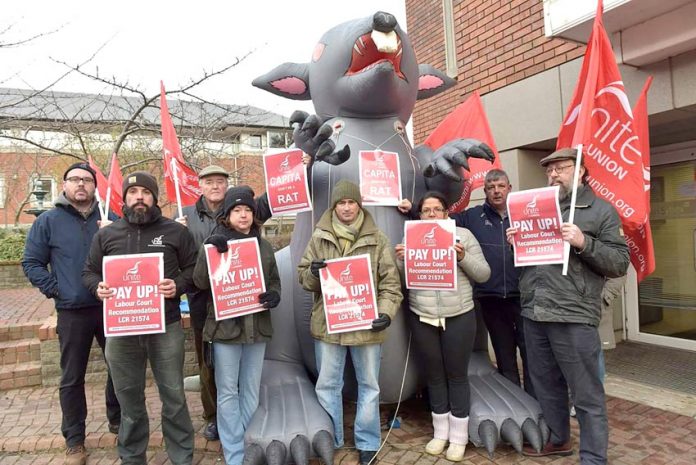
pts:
[54, 254]
[562, 314]
[143, 229]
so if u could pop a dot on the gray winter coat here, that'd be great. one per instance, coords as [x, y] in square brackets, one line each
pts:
[548, 296]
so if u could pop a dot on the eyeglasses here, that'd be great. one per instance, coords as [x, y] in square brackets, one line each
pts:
[78, 179]
[436, 210]
[558, 169]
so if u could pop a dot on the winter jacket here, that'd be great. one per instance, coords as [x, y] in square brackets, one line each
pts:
[159, 235]
[59, 239]
[489, 227]
[385, 277]
[445, 304]
[246, 329]
[548, 296]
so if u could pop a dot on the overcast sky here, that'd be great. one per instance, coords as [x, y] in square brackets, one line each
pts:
[145, 41]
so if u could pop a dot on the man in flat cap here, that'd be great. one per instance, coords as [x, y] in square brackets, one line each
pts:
[54, 254]
[562, 314]
[143, 229]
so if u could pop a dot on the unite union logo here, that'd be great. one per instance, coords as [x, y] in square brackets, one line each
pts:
[132, 274]
[429, 237]
[531, 208]
[157, 241]
[345, 276]
[285, 164]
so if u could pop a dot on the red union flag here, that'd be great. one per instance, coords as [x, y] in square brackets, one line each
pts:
[430, 262]
[468, 120]
[537, 216]
[639, 237]
[286, 182]
[600, 118]
[180, 179]
[349, 297]
[115, 186]
[102, 183]
[380, 179]
[236, 278]
[137, 307]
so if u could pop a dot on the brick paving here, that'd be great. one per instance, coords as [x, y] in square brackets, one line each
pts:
[24, 305]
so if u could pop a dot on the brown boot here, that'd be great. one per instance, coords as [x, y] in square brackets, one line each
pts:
[76, 455]
[550, 449]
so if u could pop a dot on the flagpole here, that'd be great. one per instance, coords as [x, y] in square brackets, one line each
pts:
[175, 175]
[571, 214]
[101, 213]
[108, 197]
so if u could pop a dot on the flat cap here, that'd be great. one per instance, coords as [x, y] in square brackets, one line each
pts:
[211, 170]
[560, 154]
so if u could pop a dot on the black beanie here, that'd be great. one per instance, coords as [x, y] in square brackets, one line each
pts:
[240, 195]
[142, 179]
[81, 165]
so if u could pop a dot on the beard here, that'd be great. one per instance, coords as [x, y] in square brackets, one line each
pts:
[138, 216]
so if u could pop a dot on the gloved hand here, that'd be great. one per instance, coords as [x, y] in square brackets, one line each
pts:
[316, 266]
[381, 323]
[269, 299]
[219, 241]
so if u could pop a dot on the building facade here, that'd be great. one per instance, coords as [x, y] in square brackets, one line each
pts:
[524, 58]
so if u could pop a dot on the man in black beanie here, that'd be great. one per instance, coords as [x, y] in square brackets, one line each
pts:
[143, 229]
[54, 254]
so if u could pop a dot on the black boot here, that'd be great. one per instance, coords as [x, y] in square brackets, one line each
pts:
[367, 456]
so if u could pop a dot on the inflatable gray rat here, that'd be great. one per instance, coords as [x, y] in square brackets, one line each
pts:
[363, 80]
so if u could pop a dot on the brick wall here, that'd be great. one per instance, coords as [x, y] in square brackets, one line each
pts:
[12, 276]
[498, 42]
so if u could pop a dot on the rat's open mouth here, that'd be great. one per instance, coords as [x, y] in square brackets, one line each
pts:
[366, 55]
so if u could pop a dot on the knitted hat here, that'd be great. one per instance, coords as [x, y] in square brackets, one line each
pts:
[81, 166]
[345, 190]
[560, 154]
[240, 195]
[142, 179]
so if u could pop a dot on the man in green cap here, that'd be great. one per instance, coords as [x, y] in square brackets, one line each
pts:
[342, 231]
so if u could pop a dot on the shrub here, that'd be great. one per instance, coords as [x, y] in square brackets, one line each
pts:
[12, 246]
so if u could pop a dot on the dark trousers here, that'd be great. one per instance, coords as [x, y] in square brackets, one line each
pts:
[198, 305]
[77, 329]
[445, 356]
[563, 355]
[506, 326]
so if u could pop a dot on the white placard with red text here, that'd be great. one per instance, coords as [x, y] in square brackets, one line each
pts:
[537, 216]
[137, 307]
[350, 303]
[286, 182]
[236, 278]
[430, 261]
[380, 179]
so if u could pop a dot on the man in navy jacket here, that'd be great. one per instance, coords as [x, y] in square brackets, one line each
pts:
[54, 254]
[498, 298]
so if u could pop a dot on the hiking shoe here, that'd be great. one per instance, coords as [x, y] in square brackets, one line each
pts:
[76, 455]
[210, 432]
[549, 449]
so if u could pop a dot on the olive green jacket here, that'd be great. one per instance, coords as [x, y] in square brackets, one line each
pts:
[385, 277]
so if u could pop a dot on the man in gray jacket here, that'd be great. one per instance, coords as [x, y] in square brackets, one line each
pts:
[562, 313]
[200, 219]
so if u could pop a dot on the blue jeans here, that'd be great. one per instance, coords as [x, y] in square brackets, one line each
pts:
[127, 357]
[563, 355]
[331, 361]
[238, 379]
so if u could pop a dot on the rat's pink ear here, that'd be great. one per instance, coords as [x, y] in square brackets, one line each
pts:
[289, 80]
[432, 81]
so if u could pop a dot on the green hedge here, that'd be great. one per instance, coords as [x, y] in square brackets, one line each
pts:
[12, 245]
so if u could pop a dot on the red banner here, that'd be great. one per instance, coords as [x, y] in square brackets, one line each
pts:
[102, 183]
[176, 171]
[430, 261]
[380, 179]
[600, 118]
[350, 303]
[286, 182]
[537, 216]
[116, 187]
[236, 278]
[468, 120]
[137, 307]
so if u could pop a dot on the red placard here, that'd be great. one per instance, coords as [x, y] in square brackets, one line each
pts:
[537, 216]
[137, 307]
[286, 182]
[350, 303]
[380, 181]
[236, 278]
[430, 261]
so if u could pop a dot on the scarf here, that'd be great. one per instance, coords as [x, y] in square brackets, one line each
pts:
[347, 234]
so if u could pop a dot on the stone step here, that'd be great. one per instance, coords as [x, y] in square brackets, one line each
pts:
[20, 375]
[15, 332]
[20, 351]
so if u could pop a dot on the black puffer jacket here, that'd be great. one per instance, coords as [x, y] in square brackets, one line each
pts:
[548, 296]
[159, 235]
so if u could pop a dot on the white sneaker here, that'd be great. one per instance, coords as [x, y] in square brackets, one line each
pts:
[455, 452]
[435, 446]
